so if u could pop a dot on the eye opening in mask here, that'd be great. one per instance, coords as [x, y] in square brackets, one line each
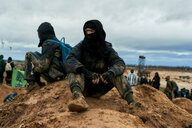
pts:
[89, 31]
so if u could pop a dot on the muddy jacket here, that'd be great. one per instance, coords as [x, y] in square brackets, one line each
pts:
[171, 86]
[2, 64]
[80, 57]
[50, 60]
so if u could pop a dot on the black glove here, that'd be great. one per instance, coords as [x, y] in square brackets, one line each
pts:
[88, 73]
[108, 76]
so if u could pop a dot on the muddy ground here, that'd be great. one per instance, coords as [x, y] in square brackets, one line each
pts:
[47, 108]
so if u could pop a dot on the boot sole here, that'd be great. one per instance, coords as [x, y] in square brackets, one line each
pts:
[76, 108]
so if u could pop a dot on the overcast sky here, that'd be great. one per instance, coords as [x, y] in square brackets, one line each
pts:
[161, 30]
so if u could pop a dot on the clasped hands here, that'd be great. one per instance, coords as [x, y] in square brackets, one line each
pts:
[105, 77]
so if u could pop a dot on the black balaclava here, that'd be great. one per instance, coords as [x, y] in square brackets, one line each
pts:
[45, 32]
[95, 42]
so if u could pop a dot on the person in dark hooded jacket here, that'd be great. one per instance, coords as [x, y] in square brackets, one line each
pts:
[156, 81]
[94, 68]
[2, 68]
[44, 67]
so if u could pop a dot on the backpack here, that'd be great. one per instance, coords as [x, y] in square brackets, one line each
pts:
[65, 49]
[8, 67]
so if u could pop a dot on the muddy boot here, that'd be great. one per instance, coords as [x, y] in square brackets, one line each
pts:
[78, 104]
[130, 100]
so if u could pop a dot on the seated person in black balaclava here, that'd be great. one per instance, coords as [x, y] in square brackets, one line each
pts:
[44, 67]
[94, 68]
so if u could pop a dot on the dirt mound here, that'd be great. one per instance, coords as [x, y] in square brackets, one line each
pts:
[184, 103]
[159, 111]
[47, 108]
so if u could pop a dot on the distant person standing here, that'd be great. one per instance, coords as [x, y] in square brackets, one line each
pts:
[9, 70]
[131, 78]
[2, 68]
[143, 80]
[156, 81]
[170, 88]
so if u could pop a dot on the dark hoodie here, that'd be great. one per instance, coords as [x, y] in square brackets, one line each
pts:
[46, 31]
[2, 64]
[98, 58]
[156, 81]
[49, 62]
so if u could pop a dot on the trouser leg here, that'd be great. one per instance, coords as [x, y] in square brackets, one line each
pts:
[78, 104]
[168, 94]
[123, 88]
[120, 82]
[76, 80]
[86, 86]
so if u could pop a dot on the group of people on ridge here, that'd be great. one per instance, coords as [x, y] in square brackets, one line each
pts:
[132, 79]
[6, 67]
[171, 90]
[93, 66]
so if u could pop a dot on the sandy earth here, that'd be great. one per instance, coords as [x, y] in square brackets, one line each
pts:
[5, 90]
[47, 108]
[183, 103]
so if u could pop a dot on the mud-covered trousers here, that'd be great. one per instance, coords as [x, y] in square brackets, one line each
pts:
[30, 57]
[97, 90]
[29, 75]
[169, 95]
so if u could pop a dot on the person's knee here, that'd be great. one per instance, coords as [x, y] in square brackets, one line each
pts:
[72, 77]
[122, 85]
[28, 55]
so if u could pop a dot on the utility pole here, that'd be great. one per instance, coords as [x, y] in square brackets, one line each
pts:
[10, 51]
[2, 43]
[141, 65]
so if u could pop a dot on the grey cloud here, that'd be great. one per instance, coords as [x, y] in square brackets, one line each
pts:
[151, 26]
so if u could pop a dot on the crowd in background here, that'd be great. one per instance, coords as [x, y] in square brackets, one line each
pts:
[6, 67]
[171, 90]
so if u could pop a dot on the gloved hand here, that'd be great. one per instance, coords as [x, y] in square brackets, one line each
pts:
[92, 75]
[107, 77]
